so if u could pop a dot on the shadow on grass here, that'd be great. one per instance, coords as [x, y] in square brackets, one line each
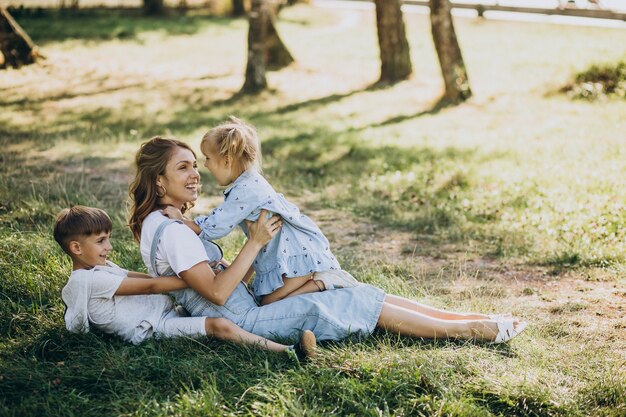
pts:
[94, 87]
[315, 158]
[436, 108]
[105, 24]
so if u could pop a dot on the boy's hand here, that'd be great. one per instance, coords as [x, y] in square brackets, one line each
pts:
[173, 213]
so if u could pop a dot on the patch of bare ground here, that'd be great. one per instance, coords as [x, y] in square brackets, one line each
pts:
[589, 304]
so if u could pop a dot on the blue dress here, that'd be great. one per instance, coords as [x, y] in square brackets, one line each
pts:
[300, 247]
[330, 315]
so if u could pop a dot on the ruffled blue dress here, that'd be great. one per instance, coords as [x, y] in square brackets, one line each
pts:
[300, 247]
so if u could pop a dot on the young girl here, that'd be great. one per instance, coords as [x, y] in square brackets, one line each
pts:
[296, 261]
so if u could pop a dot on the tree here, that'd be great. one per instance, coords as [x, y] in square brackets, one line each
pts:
[395, 57]
[153, 7]
[265, 48]
[15, 44]
[238, 8]
[278, 56]
[452, 67]
[255, 68]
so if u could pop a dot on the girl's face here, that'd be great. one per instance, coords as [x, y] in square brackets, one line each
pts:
[181, 179]
[217, 164]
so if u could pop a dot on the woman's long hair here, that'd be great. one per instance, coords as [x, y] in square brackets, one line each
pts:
[150, 160]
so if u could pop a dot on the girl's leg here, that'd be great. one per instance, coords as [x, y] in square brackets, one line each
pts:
[224, 329]
[432, 311]
[412, 323]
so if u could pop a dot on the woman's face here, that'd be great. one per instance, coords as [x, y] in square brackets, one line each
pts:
[181, 179]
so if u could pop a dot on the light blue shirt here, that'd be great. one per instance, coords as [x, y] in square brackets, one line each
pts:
[298, 249]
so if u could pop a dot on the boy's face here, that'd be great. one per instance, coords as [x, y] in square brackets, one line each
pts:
[91, 250]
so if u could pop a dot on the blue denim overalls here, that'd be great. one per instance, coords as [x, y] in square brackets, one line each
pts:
[331, 315]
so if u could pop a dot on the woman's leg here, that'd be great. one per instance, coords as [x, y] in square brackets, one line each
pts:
[412, 323]
[223, 329]
[432, 311]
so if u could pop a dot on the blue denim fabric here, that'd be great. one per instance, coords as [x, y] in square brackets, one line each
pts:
[331, 315]
[300, 247]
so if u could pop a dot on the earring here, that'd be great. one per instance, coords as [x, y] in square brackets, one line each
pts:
[163, 193]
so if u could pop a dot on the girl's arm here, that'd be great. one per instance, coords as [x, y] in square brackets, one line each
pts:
[141, 285]
[218, 288]
[237, 207]
[174, 213]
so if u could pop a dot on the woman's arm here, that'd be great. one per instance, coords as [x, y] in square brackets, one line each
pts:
[140, 285]
[217, 288]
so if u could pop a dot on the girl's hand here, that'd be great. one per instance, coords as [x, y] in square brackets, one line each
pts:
[173, 213]
[264, 229]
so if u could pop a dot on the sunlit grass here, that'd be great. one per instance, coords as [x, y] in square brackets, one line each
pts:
[513, 201]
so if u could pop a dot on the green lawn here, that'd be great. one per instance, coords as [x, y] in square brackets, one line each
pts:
[513, 201]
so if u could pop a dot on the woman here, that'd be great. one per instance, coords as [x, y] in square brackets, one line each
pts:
[167, 175]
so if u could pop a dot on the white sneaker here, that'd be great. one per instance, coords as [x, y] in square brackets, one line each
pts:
[335, 279]
[507, 330]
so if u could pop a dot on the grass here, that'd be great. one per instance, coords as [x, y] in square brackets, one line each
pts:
[512, 201]
[599, 81]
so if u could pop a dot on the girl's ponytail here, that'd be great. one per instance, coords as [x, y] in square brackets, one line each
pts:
[236, 141]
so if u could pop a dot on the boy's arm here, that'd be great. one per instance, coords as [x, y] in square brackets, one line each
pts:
[139, 286]
[133, 274]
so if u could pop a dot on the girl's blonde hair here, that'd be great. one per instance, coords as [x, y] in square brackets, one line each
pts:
[235, 140]
[151, 160]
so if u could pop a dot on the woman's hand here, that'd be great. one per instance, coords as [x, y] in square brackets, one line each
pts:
[173, 213]
[264, 229]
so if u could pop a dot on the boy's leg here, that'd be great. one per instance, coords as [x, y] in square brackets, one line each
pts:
[173, 326]
[224, 329]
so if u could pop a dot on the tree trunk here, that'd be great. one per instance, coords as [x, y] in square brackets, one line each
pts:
[238, 8]
[449, 53]
[259, 18]
[278, 56]
[15, 44]
[395, 57]
[153, 7]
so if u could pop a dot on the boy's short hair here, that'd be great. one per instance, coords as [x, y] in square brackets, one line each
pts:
[79, 221]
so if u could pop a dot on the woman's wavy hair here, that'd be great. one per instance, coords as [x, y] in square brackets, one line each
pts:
[150, 160]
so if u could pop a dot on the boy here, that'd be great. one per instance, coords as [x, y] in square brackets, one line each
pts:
[131, 304]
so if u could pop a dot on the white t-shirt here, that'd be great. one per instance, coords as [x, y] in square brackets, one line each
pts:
[90, 299]
[178, 250]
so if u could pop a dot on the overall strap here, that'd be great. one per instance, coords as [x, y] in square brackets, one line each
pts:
[155, 242]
